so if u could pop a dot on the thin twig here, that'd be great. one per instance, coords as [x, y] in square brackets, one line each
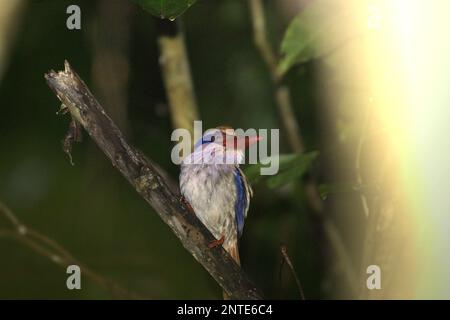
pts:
[260, 38]
[286, 258]
[56, 253]
[140, 173]
[282, 94]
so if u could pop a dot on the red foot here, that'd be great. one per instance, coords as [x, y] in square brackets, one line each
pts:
[216, 243]
[187, 204]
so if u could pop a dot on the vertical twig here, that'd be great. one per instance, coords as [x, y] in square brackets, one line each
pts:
[110, 64]
[282, 93]
[177, 75]
[260, 38]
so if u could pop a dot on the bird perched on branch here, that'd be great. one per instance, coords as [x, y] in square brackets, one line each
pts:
[215, 187]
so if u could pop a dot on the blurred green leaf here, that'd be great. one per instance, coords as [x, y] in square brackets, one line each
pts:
[169, 9]
[327, 189]
[291, 167]
[319, 28]
[292, 170]
[253, 172]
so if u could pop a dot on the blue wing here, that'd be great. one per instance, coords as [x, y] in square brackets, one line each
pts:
[242, 200]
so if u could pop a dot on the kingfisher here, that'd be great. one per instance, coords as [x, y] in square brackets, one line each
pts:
[215, 188]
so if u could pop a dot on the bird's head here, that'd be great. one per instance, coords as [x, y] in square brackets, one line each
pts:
[222, 145]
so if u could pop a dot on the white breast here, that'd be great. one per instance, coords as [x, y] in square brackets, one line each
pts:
[211, 191]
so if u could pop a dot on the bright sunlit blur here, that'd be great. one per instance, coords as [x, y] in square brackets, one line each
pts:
[400, 52]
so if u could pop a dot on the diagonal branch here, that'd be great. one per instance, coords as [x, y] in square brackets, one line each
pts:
[141, 174]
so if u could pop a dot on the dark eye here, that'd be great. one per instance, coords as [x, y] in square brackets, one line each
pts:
[213, 138]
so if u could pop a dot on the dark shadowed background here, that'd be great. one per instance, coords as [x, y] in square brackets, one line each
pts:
[89, 208]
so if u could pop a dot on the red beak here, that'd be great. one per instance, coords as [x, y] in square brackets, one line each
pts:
[247, 141]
